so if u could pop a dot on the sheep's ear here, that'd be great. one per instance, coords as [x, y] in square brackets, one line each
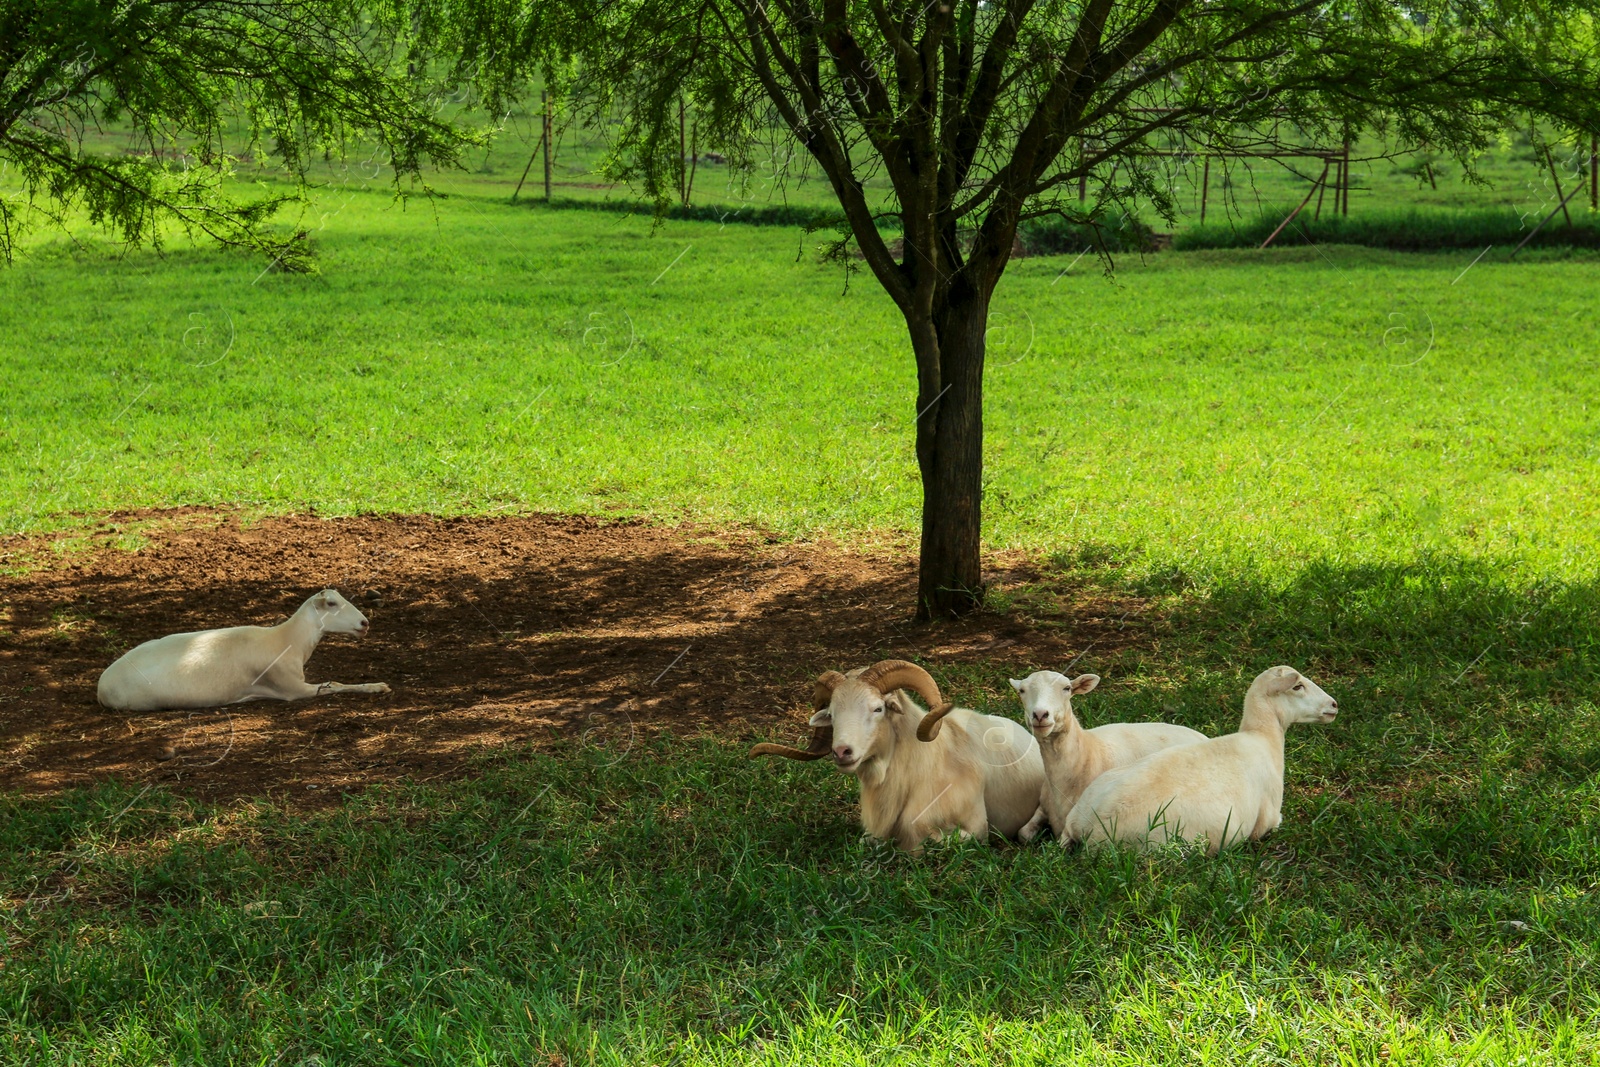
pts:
[1285, 678]
[1017, 684]
[822, 718]
[1084, 683]
[894, 703]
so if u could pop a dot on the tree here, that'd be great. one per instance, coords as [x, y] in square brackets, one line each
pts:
[286, 77]
[981, 114]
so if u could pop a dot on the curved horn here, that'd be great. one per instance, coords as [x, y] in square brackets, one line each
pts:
[888, 675]
[821, 745]
[821, 736]
[928, 728]
[822, 695]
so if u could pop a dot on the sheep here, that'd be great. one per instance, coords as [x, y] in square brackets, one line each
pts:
[1226, 789]
[1073, 756]
[215, 667]
[983, 774]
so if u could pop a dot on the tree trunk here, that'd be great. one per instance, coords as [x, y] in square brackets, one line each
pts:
[949, 350]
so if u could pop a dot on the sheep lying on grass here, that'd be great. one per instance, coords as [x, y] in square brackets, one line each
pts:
[1225, 790]
[917, 783]
[1073, 756]
[215, 667]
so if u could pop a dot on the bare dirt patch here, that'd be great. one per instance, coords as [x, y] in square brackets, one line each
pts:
[491, 631]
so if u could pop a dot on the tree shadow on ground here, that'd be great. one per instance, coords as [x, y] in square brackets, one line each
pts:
[492, 632]
[1451, 802]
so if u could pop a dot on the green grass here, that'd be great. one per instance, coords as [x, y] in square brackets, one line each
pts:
[1377, 466]
[1217, 409]
[676, 904]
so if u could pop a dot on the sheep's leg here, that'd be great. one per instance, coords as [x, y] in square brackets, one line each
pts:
[1031, 828]
[960, 832]
[363, 687]
[1268, 821]
[282, 685]
[976, 823]
[965, 809]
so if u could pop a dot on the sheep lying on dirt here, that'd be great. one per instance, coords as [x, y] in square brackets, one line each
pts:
[1073, 756]
[215, 667]
[1225, 790]
[982, 774]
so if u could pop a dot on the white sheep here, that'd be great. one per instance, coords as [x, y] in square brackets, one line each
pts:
[215, 667]
[1073, 756]
[1226, 789]
[981, 774]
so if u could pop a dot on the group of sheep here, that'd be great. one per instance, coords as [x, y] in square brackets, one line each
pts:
[925, 774]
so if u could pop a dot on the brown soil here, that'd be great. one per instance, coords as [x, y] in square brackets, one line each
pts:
[491, 631]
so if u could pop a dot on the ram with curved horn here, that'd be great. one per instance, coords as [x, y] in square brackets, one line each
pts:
[975, 773]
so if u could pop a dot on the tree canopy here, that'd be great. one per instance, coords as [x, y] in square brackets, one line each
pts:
[193, 80]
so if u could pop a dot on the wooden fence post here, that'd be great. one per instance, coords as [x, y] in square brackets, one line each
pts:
[544, 98]
[694, 161]
[1555, 179]
[1535, 231]
[526, 169]
[1345, 183]
[1291, 217]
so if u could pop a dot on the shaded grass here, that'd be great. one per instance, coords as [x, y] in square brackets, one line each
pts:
[677, 901]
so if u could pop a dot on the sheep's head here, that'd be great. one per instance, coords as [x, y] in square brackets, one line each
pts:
[336, 615]
[1047, 699]
[1294, 697]
[852, 710]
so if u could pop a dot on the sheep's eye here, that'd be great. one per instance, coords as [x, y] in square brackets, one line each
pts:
[1299, 685]
[878, 710]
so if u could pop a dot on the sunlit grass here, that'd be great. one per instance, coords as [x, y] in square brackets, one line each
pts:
[1221, 408]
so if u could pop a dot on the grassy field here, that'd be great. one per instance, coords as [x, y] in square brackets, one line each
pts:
[679, 906]
[1219, 409]
[1379, 467]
